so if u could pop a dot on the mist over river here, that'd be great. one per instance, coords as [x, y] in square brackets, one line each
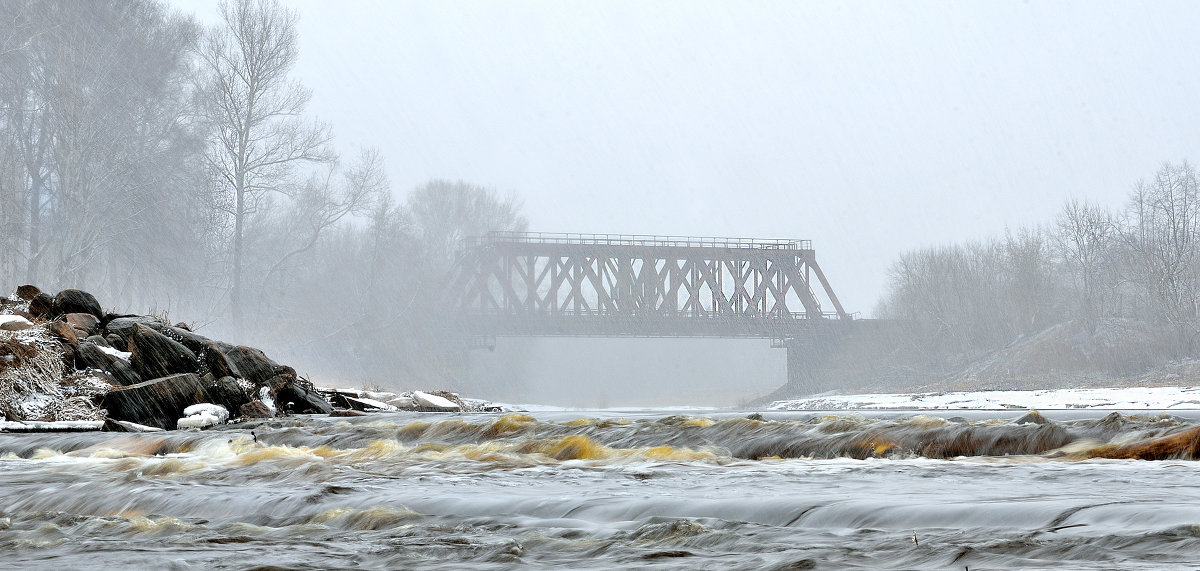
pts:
[612, 489]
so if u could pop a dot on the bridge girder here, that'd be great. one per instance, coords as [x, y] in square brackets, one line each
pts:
[619, 285]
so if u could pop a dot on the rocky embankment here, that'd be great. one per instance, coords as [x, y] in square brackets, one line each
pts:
[65, 363]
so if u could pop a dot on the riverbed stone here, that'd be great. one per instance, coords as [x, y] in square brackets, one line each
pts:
[297, 396]
[226, 392]
[255, 409]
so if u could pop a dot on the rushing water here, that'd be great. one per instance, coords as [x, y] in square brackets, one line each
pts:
[609, 490]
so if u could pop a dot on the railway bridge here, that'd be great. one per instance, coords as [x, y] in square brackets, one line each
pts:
[609, 285]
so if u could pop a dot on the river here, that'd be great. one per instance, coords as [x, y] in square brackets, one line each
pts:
[613, 490]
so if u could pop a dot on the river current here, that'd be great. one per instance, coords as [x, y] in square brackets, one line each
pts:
[613, 490]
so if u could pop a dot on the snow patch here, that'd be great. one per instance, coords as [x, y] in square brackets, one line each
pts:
[425, 399]
[1107, 398]
[264, 395]
[123, 355]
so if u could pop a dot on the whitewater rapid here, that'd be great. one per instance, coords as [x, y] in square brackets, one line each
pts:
[613, 490]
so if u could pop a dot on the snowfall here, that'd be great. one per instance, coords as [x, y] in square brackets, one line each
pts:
[1153, 398]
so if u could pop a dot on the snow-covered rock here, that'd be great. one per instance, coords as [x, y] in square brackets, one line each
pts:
[424, 399]
[14, 323]
[402, 402]
[372, 403]
[203, 415]
[207, 407]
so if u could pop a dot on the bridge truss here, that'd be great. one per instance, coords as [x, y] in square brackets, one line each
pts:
[535, 284]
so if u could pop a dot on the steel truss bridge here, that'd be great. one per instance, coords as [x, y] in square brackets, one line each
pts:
[606, 285]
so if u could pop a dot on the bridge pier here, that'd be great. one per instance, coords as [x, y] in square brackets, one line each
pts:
[809, 356]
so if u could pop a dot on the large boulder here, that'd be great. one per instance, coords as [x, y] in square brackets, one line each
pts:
[157, 402]
[28, 292]
[197, 343]
[218, 364]
[155, 355]
[98, 340]
[122, 327]
[85, 324]
[292, 395]
[252, 364]
[226, 392]
[255, 409]
[42, 305]
[123, 372]
[77, 301]
[91, 356]
[63, 330]
[14, 323]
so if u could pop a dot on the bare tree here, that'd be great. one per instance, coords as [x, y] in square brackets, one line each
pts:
[321, 203]
[95, 109]
[1086, 240]
[1162, 232]
[443, 213]
[258, 136]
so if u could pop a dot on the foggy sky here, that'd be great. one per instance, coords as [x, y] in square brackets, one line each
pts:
[869, 128]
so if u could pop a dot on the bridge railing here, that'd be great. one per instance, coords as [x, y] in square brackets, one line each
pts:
[648, 240]
[652, 314]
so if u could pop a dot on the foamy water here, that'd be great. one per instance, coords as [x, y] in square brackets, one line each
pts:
[613, 490]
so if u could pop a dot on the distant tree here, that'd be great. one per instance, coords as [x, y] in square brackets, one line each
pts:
[1162, 232]
[258, 134]
[443, 214]
[1086, 240]
[1028, 289]
[95, 113]
[317, 206]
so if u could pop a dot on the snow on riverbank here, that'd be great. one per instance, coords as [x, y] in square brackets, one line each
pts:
[1115, 398]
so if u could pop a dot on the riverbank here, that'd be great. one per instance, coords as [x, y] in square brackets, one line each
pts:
[68, 365]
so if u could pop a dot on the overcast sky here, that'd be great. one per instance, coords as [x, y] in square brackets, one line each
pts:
[869, 128]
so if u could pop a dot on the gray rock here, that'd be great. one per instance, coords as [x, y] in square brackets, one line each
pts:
[122, 327]
[98, 340]
[155, 355]
[157, 402]
[197, 343]
[252, 364]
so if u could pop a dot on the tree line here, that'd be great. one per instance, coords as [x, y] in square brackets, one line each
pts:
[166, 165]
[1101, 273]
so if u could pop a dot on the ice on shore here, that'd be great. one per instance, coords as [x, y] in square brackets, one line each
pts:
[203, 415]
[1108, 398]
